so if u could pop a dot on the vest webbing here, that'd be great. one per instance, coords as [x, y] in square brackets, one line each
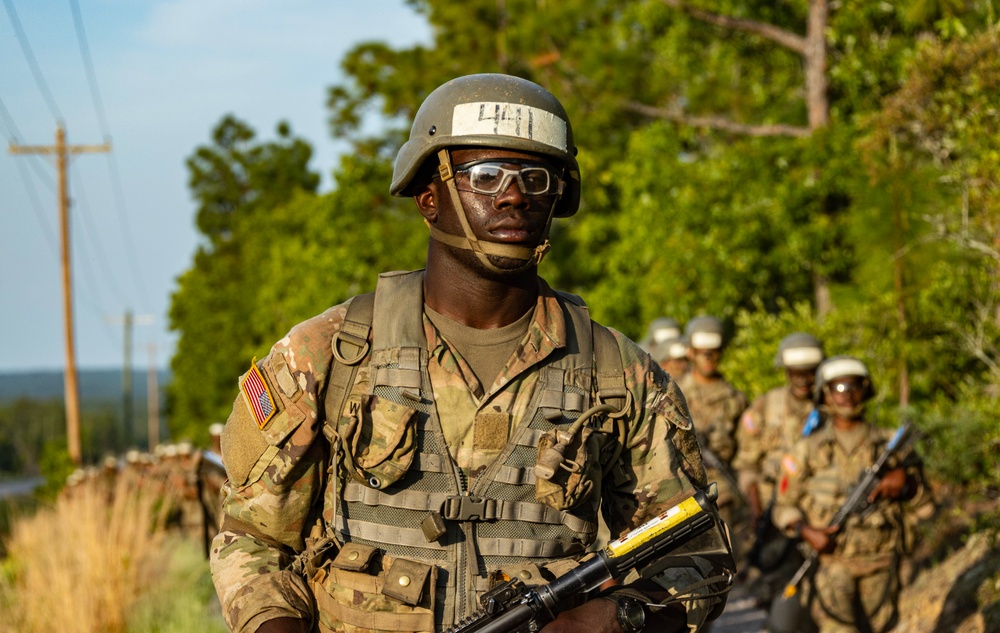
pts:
[392, 319]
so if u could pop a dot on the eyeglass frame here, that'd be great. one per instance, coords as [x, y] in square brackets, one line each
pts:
[508, 174]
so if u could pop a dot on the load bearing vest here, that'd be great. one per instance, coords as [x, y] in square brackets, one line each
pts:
[404, 497]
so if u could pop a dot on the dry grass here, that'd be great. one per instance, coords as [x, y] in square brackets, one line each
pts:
[81, 566]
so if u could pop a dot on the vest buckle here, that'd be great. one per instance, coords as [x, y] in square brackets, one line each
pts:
[468, 508]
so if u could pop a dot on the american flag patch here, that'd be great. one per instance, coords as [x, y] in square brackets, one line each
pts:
[257, 395]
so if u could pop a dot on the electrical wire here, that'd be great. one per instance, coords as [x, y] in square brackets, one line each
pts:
[29, 56]
[86, 217]
[116, 182]
[13, 134]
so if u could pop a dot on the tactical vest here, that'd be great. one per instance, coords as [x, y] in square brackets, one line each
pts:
[417, 545]
[834, 472]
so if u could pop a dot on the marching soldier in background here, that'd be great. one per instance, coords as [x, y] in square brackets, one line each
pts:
[856, 584]
[659, 330]
[715, 406]
[672, 356]
[768, 430]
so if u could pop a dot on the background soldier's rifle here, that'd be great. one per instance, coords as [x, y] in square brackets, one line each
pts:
[857, 501]
[513, 608]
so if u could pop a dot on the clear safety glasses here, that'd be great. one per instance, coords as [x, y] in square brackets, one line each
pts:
[491, 177]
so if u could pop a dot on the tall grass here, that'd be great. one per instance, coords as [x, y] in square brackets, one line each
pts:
[83, 564]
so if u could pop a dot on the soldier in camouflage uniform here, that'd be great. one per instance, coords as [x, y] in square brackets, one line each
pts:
[715, 406]
[856, 584]
[768, 430]
[386, 469]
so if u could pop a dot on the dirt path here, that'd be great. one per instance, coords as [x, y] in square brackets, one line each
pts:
[741, 615]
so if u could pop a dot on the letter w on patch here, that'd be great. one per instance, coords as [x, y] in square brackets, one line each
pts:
[257, 395]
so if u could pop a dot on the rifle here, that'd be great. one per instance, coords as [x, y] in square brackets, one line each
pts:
[514, 608]
[857, 501]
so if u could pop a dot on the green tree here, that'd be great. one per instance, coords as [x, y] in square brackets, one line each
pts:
[240, 184]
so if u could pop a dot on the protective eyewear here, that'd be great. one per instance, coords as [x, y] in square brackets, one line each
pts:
[491, 177]
[846, 387]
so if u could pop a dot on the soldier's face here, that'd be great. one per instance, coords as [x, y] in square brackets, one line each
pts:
[509, 216]
[676, 367]
[801, 381]
[706, 361]
[845, 392]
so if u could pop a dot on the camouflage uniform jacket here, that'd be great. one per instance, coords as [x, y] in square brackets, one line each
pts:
[714, 408]
[465, 439]
[816, 478]
[768, 430]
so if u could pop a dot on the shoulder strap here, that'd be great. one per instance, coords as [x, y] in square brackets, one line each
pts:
[350, 346]
[611, 387]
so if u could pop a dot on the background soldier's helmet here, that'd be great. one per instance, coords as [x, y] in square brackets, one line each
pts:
[670, 349]
[842, 367]
[704, 332]
[799, 351]
[490, 110]
[660, 330]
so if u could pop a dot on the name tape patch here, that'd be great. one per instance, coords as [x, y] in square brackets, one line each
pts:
[509, 119]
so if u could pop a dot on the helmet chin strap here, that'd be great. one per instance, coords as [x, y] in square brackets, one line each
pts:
[531, 256]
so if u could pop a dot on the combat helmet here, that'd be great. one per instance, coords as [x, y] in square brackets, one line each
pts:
[842, 367]
[660, 329]
[490, 111]
[799, 351]
[705, 332]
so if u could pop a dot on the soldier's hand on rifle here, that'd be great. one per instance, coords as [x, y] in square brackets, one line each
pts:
[820, 539]
[594, 616]
[891, 486]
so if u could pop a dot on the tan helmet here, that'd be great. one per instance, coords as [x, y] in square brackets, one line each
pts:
[705, 332]
[490, 110]
[842, 367]
[799, 350]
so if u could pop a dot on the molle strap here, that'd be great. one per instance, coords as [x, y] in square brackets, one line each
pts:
[554, 398]
[611, 387]
[451, 506]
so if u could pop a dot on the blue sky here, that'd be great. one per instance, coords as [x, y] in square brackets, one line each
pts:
[167, 71]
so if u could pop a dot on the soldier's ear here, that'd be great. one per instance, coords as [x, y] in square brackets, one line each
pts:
[426, 200]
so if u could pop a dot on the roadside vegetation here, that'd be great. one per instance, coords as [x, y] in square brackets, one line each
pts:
[100, 559]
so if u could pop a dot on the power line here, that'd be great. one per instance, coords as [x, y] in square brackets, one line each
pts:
[88, 64]
[116, 183]
[95, 242]
[12, 132]
[47, 230]
[32, 62]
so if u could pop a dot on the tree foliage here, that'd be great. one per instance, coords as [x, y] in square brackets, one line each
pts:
[708, 187]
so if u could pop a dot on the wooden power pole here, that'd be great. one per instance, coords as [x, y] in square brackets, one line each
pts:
[62, 152]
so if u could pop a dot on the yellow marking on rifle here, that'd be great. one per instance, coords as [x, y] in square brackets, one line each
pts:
[650, 530]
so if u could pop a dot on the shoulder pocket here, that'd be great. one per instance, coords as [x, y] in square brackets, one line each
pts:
[247, 451]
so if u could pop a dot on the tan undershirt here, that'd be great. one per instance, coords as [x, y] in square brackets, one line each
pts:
[486, 351]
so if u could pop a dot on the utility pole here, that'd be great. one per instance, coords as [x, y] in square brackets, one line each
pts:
[153, 400]
[129, 321]
[62, 152]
